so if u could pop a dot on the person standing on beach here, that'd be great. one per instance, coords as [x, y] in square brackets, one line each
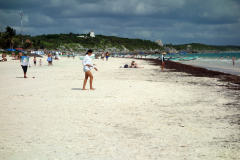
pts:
[40, 62]
[233, 59]
[87, 65]
[228, 57]
[102, 56]
[34, 61]
[73, 56]
[163, 60]
[49, 59]
[24, 63]
[107, 56]
[20, 56]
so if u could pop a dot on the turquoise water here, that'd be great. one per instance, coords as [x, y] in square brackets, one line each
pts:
[212, 61]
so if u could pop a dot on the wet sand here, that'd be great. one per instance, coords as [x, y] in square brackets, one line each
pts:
[132, 114]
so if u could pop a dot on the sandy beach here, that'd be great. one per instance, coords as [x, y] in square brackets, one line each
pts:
[134, 114]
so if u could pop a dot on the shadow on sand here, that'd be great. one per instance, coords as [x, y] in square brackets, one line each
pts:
[76, 88]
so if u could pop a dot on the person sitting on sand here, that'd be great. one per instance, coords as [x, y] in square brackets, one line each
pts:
[134, 65]
[4, 57]
[16, 57]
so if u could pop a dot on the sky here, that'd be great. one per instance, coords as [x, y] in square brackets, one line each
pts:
[212, 22]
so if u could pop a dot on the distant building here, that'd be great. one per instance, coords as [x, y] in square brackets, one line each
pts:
[159, 42]
[28, 41]
[81, 36]
[189, 46]
[92, 34]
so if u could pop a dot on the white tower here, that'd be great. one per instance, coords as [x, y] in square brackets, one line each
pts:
[159, 42]
[92, 34]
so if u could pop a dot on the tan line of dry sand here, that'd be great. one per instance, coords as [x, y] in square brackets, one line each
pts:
[133, 114]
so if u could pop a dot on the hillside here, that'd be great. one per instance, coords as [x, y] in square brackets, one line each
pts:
[100, 42]
[198, 47]
[82, 42]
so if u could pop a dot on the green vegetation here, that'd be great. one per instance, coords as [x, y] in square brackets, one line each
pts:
[71, 42]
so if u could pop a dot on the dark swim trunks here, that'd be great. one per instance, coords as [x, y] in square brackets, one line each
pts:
[35, 62]
[24, 68]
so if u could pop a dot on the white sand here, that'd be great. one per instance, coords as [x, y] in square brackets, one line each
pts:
[133, 113]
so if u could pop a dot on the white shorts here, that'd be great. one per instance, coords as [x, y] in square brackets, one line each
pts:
[86, 69]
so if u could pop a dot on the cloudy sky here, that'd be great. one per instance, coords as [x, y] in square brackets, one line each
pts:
[214, 22]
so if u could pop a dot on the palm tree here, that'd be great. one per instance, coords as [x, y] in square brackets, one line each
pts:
[10, 35]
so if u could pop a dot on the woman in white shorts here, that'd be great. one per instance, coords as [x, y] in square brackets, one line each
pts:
[87, 65]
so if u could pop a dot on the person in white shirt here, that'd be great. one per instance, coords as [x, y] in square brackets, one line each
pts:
[102, 56]
[163, 60]
[24, 63]
[87, 65]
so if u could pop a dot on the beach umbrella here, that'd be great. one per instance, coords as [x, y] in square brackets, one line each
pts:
[130, 53]
[141, 53]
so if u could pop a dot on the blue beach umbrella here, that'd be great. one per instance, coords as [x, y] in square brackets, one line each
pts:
[130, 53]
[141, 53]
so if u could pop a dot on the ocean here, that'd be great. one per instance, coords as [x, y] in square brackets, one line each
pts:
[212, 61]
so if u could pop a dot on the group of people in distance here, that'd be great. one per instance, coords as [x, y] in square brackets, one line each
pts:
[233, 59]
[35, 61]
[105, 55]
[68, 55]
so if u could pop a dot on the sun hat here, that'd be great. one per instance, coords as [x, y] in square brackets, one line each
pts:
[164, 53]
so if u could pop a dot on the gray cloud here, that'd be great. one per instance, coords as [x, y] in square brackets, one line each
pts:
[177, 22]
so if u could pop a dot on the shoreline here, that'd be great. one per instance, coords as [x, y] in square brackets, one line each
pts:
[196, 71]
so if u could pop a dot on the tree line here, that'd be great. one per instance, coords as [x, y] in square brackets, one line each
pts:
[9, 39]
